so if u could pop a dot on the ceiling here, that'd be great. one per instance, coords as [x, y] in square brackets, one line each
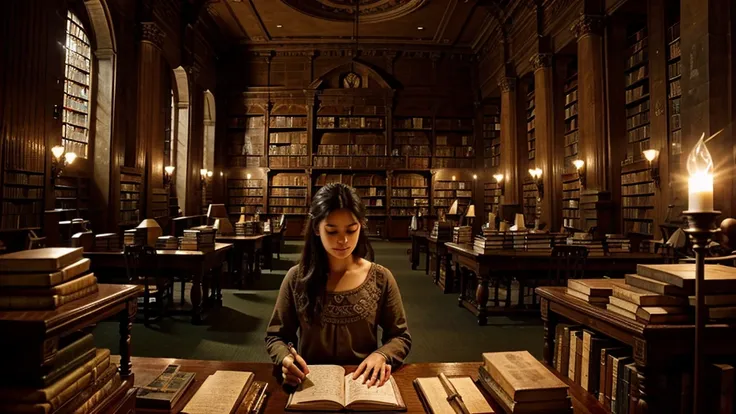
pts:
[448, 23]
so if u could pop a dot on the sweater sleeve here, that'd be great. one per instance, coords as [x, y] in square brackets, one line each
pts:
[284, 321]
[396, 338]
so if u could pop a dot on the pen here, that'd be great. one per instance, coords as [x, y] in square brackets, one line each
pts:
[453, 397]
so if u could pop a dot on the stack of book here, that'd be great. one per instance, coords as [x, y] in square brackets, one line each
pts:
[491, 240]
[248, 228]
[618, 243]
[135, 237]
[595, 247]
[167, 243]
[441, 231]
[44, 278]
[538, 242]
[198, 238]
[593, 291]
[519, 239]
[462, 234]
[521, 384]
[165, 390]
[107, 242]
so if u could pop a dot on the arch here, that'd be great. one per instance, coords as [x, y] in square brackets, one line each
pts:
[181, 133]
[330, 78]
[209, 131]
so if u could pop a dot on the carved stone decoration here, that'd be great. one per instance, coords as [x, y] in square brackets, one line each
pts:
[371, 11]
[507, 84]
[541, 60]
[150, 32]
[587, 24]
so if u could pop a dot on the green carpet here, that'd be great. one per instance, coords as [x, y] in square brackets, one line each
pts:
[441, 331]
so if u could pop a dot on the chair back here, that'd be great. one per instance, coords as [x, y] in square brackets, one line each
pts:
[567, 262]
[131, 254]
[140, 263]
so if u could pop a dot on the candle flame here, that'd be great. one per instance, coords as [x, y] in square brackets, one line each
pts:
[699, 162]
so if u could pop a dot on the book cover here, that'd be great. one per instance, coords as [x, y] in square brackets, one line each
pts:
[434, 397]
[65, 288]
[718, 279]
[595, 300]
[605, 372]
[593, 287]
[565, 353]
[524, 378]
[160, 394]
[643, 297]
[655, 286]
[73, 351]
[572, 352]
[625, 305]
[45, 279]
[48, 259]
[658, 315]
[220, 392]
[44, 302]
[622, 312]
[559, 406]
[579, 358]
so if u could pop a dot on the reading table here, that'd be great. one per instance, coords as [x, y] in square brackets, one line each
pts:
[440, 261]
[147, 369]
[248, 248]
[418, 242]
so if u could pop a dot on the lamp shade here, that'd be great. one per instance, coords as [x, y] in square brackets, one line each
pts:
[453, 208]
[153, 231]
[217, 211]
[471, 211]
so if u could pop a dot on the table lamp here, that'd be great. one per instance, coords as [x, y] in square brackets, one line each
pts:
[218, 213]
[452, 213]
[153, 231]
[470, 214]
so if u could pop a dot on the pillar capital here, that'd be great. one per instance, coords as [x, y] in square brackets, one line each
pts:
[541, 60]
[507, 84]
[151, 32]
[587, 24]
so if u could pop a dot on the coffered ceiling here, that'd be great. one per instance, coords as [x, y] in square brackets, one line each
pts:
[440, 23]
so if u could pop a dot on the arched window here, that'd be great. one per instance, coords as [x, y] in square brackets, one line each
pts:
[77, 79]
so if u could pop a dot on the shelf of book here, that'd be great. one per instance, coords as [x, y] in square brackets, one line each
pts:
[409, 195]
[571, 122]
[454, 143]
[637, 199]
[529, 202]
[245, 141]
[23, 199]
[571, 201]
[244, 196]
[636, 85]
[71, 193]
[445, 192]
[491, 198]
[288, 194]
[531, 142]
[412, 140]
[350, 142]
[674, 94]
[372, 190]
[491, 140]
[160, 203]
[130, 196]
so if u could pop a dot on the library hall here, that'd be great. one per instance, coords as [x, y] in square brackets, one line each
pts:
[421, 206]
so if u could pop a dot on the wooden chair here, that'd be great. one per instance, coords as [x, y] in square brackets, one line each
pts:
[141, 266]
[566, 262]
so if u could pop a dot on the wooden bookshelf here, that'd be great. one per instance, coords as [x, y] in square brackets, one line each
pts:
[454, 143]
[372, 190]
[77, 80]
[529, 202]
[412, 142]
[674, 96]
[71, 193]
[288, 149]
[409, 195]
[531, 142]
[288, 194]
[637, 199]
[571, 122]
[245, 141]
[160, 203]
[244, 196]
[491, 198]
[445, 192]
[636, 86]
[350, 142]
[571, 201]
[130, 197]
[23, 199]
[491, 141]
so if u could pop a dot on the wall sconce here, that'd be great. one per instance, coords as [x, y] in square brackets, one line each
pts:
[203, 177]
[536, 174]
[168, 173]
[475, 176]
[57, 165]
[580, 166]
[499, 181]
[248, 176]
[652, 156]
[453, 178]
[210, 174]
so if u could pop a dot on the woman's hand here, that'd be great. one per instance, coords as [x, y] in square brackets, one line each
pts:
[294, 369]
[374, 368]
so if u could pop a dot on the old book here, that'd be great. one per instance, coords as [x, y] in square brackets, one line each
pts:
[655, 286]
[643, 297]
[623, 396]
[724, 312]
[593, 287]
[522, 377]
[74, 351]
[254, 398]
[44, 302]
[434, 397]
[328, 388]
[605, 372]
[590, 376]
[720, 389]
[578, 358]
[105, 389]
[622, 312]
[584, 365]
[559, 340]
[165, 390]
[596, 300]
[633, 389]
[561, 406]
[658, 315]
[220, 393]
[623, 304]
[718, 279]
[616, 379]
[715, 300]
[48, 259]
[45, 279]
[65, 288]
[572, 352]
[565, 354]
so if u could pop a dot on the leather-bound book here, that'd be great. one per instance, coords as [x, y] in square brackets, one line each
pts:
[559, 340]
[572, 353]
[564, 357]
[655, 286]
[579, 358]
[643, 297]
[30, 302]
[720, 388]
[509, 406]
[661, 315]
[718, 279]
[590, 375]
[605, 373]
[633, 389]
[523, 378]
[45, 279]
[617, 380]
[165, 390]
[48, 259]
[593, 287]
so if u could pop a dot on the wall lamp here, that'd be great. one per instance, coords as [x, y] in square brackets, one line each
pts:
[536, 174]
[57, 164]
[499, 181]
[652, 156]
[580, 166]
[168, 174]
[203, 177]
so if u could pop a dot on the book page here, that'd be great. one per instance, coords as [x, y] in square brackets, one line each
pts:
[219, 393]
[472, 397]
[355, 390]
[323, 383]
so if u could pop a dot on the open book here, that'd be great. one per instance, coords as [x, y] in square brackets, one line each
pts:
[328, 388]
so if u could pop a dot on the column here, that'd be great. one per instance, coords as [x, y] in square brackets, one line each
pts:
[509, 152]
[591, 103]
[150, 132]
[545, 133]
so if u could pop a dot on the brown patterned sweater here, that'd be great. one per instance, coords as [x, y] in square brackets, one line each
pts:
[346, 332]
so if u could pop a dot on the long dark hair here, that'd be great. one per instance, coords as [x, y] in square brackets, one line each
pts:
[314, 264]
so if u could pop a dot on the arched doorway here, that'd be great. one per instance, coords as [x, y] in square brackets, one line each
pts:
[209, 131]
[181, 133]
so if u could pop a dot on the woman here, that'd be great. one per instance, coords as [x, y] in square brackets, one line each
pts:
[336, 298]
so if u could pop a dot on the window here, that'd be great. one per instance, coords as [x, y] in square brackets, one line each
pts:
[75, 126]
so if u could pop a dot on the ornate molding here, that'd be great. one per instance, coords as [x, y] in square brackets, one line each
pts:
[587, 24]
[371, 11]
[507, 84]
[541, 60]
[150, 32]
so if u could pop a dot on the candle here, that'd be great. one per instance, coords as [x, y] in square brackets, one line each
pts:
[700, 183]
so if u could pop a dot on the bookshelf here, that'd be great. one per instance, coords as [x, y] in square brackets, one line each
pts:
[244, 196]
[529, 202]
[674, 93]
[23, 199]
[409, 195]
[454, 143]
[77, 67]
[412, 141]
[531, 142]
[130, 197]
[491, 197]
[350, 142]
[637, 199]
[636, 85]
[491, 141]
[571, 201]
[288, 194]
[245, 140]
[372, 190]
[160, 202]
[288, 149]
[571, 122]
[445, 192]
[71, 193]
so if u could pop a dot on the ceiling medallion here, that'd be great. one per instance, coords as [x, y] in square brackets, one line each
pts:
[371, 11]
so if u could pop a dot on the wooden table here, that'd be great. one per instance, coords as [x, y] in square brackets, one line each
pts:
[657, 349]
[248, 248]
[440, 259]
[502, 264]
[418, 239]
[195, 262]
[147, 368]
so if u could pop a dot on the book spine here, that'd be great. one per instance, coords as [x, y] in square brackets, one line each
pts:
[565, 355]
[27, 302]
[625, 389]
[634, 390]
[585, 359]
[75, 285]
[614, 386]
[610, 362]
[578, 357]
[78, 294]
[75, 269]
[626, 295]
[571, 360]
[603, 356]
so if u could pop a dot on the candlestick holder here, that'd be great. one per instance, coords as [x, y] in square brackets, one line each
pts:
[701, 231]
